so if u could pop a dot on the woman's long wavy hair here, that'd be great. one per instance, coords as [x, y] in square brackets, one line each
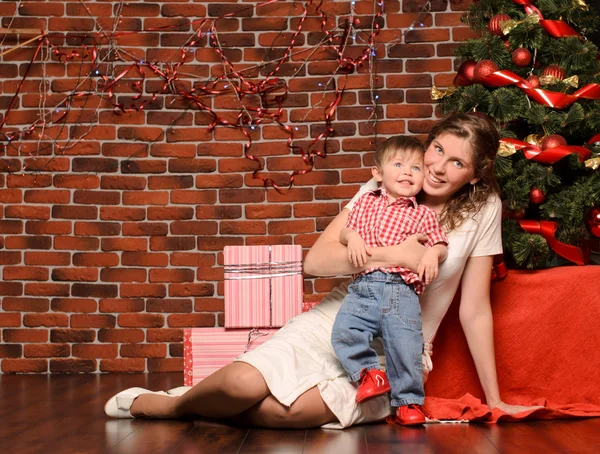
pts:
[484, 139]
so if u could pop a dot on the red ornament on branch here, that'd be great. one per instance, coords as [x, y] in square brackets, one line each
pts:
[495, 26]
[484, 68]
[554, 70]
[467, 70]
[592, 221]
[553, 141]
[537, 196]
[521, 56]
[534, 81]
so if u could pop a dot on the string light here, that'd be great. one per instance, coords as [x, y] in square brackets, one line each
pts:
[270, 109]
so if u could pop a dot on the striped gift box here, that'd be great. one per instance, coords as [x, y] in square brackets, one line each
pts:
[205, 350]
[263, 285]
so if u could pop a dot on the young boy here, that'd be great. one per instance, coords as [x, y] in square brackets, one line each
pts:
[385, 302]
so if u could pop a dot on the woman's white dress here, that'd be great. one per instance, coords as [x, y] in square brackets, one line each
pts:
[300, 355]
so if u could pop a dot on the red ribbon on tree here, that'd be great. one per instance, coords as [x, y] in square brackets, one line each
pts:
[549, 156]
[547, 229]
[556, 28]
[545, 97]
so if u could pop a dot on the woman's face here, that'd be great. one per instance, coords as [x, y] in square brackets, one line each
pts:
[448, 166]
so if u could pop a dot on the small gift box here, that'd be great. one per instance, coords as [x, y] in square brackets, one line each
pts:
[205, 350]
[263, 285]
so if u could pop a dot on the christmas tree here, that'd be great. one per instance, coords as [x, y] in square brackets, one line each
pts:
[534, 72]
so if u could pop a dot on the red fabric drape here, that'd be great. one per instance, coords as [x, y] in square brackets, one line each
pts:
[547, 343]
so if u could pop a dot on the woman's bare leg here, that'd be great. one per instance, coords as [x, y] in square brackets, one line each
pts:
[309, 410]
[229, 391]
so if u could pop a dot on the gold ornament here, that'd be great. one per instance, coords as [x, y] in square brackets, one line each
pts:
[534, 139]
[548, 80]
[581, 4]
[593, 163]
[506, 149]
[572, 81]
[437, 94]
[507, 26]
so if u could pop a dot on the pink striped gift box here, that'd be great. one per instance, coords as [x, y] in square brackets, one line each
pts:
[205, 350]
[263, 285]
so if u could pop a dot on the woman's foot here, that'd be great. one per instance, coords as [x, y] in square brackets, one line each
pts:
[127, 404]
[155, 405]
[179, 391]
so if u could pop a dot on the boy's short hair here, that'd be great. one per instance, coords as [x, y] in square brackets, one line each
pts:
[395, 145]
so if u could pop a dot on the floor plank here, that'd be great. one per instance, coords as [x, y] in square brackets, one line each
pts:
[573, 436]
[519, 438]
[325, 441]
[263, 441]
[392, 438]
[64, 414]
[458, 439]
[212, 438]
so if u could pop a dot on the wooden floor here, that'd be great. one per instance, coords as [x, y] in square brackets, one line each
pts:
[64, 414]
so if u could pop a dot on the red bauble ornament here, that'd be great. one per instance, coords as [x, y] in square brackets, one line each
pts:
[467, 70]
[494, 25]
[484, 68]
[521, 56]
[592, 221]
[553, 141]
[537, 196]
[554, 70]
[534, 81]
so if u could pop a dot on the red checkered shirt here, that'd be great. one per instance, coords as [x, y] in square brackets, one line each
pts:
[380, 223]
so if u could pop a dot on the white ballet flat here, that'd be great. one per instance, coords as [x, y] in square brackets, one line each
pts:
[118, 406]
[179, 391]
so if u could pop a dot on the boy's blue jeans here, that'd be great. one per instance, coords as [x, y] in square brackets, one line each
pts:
[382, 304]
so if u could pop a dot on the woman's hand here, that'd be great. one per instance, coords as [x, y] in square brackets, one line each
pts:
[408, 254]
[514, 409]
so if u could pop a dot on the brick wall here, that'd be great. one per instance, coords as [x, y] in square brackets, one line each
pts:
[111, 245]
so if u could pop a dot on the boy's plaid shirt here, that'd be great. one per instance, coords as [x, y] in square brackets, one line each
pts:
[380, 223]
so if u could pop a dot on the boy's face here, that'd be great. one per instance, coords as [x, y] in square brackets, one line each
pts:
[402, 174]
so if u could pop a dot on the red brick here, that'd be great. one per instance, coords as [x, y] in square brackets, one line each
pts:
[95, 351]
[121, 305]
[93, 321]
[46, 350]
[35, 320]
[191, 320]
[95, 259]
[165, 365]
[144, 350]
[191, 289]
[47, 289]
[10, 319]
[145, 229]
[25, 305]
[165, 335]
[24, 335]
[25, 273]
[143, 290]
[12, 366]
[121, 335]
[72, 366]
[148, 259]
[72, 335]
[123, 365]
[123, 275]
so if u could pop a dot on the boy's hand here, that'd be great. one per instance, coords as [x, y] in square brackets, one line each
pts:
[429, 267]
[358, 251]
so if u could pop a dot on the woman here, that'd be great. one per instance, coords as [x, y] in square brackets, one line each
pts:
[294, 380]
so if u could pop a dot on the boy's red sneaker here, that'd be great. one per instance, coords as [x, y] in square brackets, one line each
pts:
[410, 415]
[373, 383]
